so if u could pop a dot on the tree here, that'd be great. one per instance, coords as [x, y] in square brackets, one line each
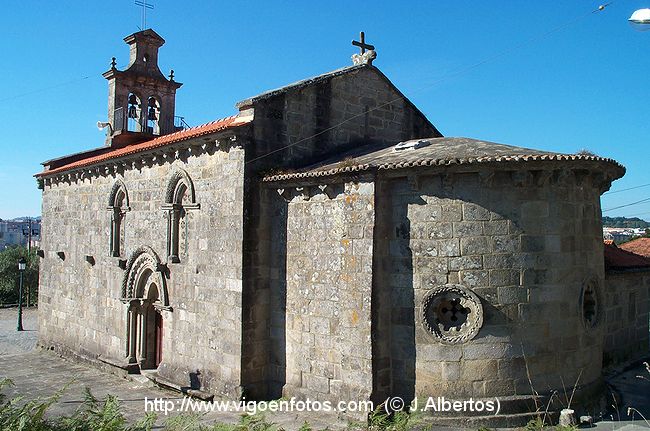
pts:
[9, 274]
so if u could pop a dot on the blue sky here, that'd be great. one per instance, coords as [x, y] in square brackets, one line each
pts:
[557, 77]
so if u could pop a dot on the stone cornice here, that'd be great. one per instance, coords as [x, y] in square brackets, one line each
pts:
[156, 156]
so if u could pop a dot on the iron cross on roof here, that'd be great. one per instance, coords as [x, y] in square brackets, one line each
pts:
[363, 45]
[144, 5]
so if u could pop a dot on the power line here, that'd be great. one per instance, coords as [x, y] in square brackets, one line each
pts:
[457, 72]
[624, 190]
[40, 90]
[628, 205]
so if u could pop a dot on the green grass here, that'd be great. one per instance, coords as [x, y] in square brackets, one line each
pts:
[19, 414]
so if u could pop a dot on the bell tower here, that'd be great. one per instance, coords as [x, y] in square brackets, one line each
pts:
[141, 101]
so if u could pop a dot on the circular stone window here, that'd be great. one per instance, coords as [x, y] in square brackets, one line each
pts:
[452, 313]
[590, 304]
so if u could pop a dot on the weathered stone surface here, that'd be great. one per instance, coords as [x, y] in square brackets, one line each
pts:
[319, 286]
[80, 304]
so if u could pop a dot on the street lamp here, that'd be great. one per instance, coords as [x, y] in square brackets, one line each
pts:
[22, 263]
[640, 19]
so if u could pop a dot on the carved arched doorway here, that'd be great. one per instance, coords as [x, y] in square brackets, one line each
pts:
[145, 292]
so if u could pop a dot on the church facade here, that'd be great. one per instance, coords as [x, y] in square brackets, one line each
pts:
[324, 242]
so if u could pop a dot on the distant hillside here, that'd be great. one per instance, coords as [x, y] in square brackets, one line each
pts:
[625, 222]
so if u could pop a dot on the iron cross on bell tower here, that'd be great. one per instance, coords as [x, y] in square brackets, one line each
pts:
[365, 57]
[144, 5]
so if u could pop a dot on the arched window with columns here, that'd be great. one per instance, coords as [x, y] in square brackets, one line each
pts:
[118, 205]
[179, 200]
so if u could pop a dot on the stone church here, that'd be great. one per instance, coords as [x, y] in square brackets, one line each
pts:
[326, 241]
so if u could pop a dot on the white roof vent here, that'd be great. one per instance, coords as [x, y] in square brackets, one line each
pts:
[412, 145]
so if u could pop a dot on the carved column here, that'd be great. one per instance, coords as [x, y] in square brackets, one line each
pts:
[174, 220]
[131, 335]
[143, 335]
[116, 230]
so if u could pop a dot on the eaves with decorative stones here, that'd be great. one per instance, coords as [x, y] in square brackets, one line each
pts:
[445, 153]
[163, 148]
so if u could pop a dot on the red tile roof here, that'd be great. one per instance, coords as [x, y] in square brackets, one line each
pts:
[639, 246]
[617, 258]
[161, 141]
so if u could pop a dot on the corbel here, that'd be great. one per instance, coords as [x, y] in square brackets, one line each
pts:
[486, 178]
[329, 190]
[414, 182]
[285, 194]
[521, 178]
[543, 177]
[447, 183]
[565, 177]
[304, 192]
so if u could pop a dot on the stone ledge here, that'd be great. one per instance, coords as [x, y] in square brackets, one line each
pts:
[167, 384]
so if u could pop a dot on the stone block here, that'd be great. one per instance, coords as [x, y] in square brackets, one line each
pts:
[316, 383]
[478, 369]
[475, 212]
[495, 227]
[451, 370]
[474, 278]
[465, 263]
[532, 243]
[438, 352]
[506, 244]
[439, 230]
[467, 228]
[474, 245]
[512, 295]
[504, 277]
[488, 351]
[448, 247]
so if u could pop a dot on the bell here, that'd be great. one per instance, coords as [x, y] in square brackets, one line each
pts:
[133, 112]
[152, 114]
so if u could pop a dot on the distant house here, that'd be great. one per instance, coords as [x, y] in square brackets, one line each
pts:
[17, 232]
[639, 246]
[625, 302]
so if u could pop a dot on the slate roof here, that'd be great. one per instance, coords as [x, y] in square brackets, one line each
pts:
[618, 259]
[442, 151]
[300, 84]
[639, 246]
[161, 141]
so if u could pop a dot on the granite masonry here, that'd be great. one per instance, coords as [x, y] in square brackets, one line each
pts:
[328, 243]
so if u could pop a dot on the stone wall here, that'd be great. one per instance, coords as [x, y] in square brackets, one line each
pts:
[524, 242]
[627, 296]
[328, 350]
[355, 108]
[79, 302]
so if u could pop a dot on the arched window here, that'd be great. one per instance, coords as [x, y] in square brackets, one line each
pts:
[134, 114]
[153, 116]
[179, 199]
[118, 205]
